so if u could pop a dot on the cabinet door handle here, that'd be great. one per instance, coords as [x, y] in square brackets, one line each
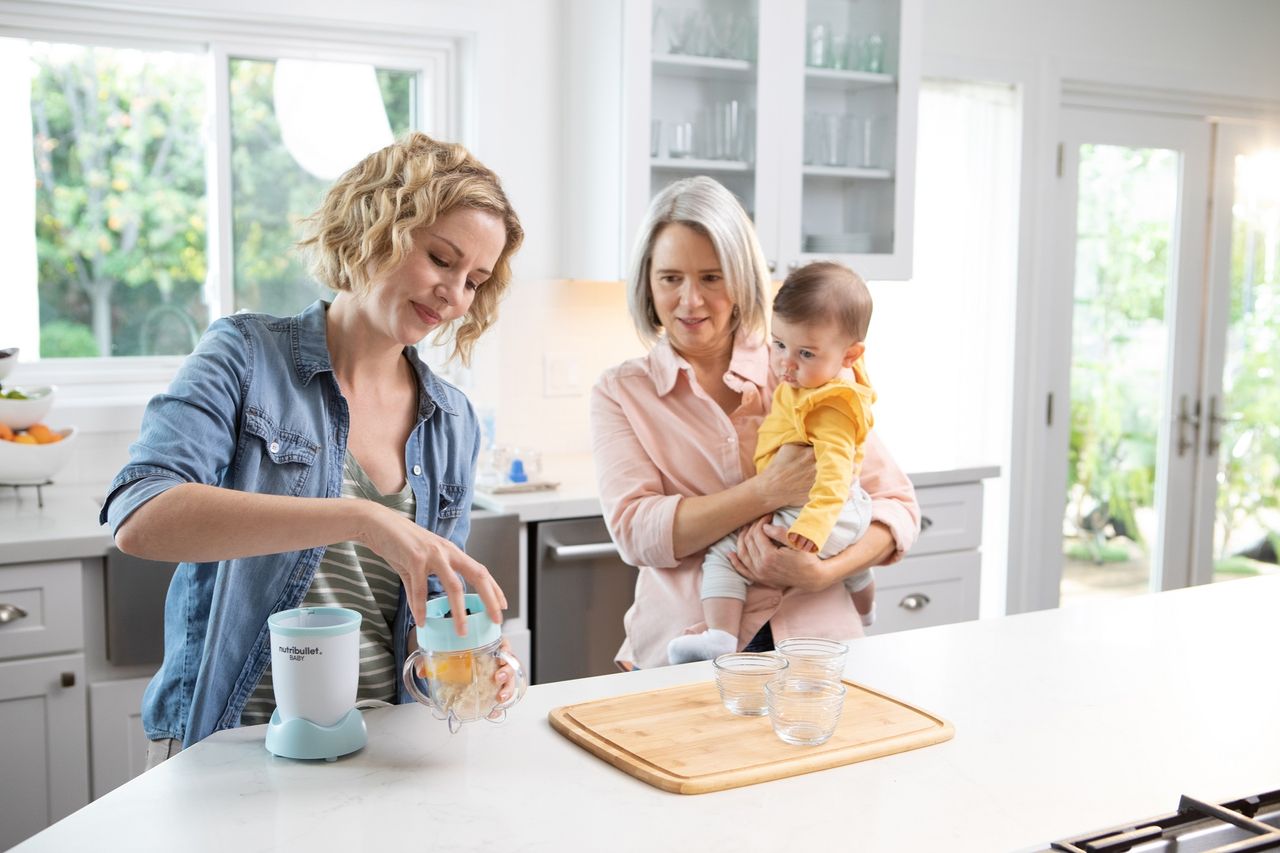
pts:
[914, 601]
[925, 523]
[584, 552]
[11, 613]
[68, 679]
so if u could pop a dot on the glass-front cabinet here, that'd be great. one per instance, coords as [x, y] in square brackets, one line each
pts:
[806, 112]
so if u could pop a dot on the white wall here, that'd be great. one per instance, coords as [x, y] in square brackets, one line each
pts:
[1226, 48]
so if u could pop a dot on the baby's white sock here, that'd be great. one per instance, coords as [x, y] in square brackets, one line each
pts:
[869, 618]
[709, 644]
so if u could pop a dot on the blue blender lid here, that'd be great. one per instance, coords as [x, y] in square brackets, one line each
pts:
[438, 635]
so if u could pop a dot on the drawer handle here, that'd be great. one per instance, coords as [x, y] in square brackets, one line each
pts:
[914, 601]
[925, 523]
[584, 552]
[11, 613]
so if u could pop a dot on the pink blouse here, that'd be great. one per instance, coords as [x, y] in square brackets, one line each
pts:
[658, 437]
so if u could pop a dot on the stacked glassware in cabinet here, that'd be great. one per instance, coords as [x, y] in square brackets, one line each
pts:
[850, 123]
[703, 95]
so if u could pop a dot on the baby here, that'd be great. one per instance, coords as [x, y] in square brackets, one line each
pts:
[820, 319]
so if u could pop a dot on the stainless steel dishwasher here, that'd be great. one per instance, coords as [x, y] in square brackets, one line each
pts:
[580, 590]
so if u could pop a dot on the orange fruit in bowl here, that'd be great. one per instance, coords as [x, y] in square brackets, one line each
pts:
[42, 434]
[23, 438]
[6, 434]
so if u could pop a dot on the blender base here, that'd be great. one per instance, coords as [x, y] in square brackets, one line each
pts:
[301, 738]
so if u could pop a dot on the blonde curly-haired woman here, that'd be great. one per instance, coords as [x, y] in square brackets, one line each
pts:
[314, 459]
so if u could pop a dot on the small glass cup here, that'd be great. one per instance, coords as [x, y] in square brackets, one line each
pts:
[814, 658]
[873, 54]
[681, 143]
[804, 711]
[741, 677]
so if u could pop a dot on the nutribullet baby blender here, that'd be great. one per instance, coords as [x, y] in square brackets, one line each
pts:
[315, 668]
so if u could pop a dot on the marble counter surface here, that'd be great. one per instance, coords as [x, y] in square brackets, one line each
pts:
[576, 495]
[1066, 721]
[66, 527]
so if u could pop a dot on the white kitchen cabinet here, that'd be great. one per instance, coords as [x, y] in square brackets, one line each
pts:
[736, 77]
[42, 697]
[937, 583]
[42, 738]
[115, 724]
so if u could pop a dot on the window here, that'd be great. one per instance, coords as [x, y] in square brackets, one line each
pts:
[940, 347]
[149, 187]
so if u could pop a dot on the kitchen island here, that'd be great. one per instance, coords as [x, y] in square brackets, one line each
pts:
[1066, 721]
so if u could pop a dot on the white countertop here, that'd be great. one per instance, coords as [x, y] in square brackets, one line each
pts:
[1066, 721]
[576, 496]
[65, 528]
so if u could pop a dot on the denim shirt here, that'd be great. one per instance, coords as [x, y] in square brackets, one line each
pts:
[256, 408]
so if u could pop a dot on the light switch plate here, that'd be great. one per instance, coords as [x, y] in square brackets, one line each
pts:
[561, 375]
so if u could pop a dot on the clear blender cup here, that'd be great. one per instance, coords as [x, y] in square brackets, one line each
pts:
[459, 671]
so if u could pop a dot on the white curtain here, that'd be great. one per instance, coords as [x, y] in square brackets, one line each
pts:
[940, 346]
[19, 298]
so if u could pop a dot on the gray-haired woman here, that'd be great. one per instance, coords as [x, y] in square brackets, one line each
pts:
[674, 432]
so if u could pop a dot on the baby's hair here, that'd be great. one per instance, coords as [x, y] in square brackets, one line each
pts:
[824, 291]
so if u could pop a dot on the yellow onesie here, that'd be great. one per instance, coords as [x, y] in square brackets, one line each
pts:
[835, 418]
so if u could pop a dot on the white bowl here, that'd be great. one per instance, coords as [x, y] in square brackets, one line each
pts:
[32, 464]
[20, 414]
[8, 361]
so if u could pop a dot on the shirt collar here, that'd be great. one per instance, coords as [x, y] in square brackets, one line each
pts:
[310, 343]
[749, 363]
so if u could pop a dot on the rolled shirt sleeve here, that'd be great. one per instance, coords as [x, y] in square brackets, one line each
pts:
[639, 515]
[893, 498]
[189, 432]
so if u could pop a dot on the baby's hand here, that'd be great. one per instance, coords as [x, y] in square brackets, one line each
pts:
[801, 543]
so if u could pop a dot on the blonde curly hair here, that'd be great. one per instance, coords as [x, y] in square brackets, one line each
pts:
[365, 225]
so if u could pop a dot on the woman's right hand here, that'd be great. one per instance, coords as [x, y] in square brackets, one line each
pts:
[789, 477]
[415, 553]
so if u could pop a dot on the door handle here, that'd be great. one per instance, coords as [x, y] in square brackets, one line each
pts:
[584, 552]
[11, 613]
[1187, 419]
[914, 601]
[1215, 421]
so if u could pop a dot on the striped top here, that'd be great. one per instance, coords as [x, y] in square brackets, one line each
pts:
[352, 576]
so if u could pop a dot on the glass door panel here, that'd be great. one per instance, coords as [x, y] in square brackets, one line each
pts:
[1126, 220]
[1244, 433]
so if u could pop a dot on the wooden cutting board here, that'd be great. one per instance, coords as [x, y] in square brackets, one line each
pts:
[683, 740]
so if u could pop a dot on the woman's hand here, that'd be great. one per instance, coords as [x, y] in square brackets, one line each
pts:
[763, 557]
[415, 553]
[504, 678]
[789, 477]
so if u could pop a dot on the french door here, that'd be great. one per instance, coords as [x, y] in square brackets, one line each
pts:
[1162, 446]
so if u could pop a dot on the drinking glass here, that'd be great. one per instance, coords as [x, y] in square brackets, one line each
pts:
[804, 711]
[819, 46]
[814, 657]
[655, 138]
[873, 54]
[835, 139]
[741, 678]
[868, 140]
[681, 142]
[840, 52]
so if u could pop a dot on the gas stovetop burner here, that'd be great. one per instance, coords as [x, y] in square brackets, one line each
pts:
[1248, 824]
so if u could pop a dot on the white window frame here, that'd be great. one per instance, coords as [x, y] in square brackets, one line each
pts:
[126, 382]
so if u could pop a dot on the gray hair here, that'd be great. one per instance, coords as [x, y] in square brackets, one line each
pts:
[708, 208]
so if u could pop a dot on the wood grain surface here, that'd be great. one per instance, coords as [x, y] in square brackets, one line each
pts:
[683, 740]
